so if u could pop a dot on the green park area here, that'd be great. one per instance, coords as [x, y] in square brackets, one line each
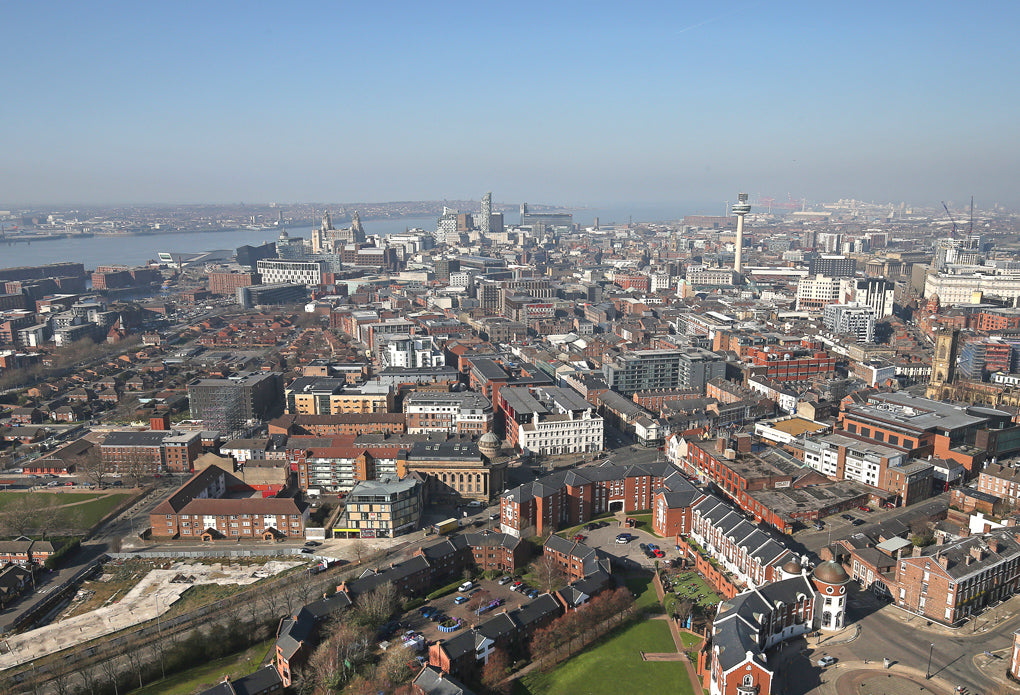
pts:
[202, 677]
[615, 662]
[22, 513]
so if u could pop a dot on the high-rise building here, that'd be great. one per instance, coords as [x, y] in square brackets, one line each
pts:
[230, 406]
[446, 228]
[877, 293]
[305, 272]
[485, 225]
[852, 319]
[815, 291]
[644, 370]
[832, 266]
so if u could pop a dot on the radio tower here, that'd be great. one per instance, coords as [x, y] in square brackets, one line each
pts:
[740, 208]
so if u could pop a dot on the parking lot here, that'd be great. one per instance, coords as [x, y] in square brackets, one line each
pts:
[604, 539]
[485, 591]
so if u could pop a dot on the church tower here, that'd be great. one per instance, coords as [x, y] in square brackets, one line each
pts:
[943, 364]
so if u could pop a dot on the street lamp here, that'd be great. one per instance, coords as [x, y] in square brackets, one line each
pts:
[927, 671]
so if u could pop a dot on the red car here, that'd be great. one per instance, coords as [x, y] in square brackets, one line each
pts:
[864, 508]
[579, 537]
[658, 553]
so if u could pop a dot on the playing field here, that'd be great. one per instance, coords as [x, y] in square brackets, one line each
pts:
[72, 510]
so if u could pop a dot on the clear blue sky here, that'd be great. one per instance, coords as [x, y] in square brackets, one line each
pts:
[555, 102]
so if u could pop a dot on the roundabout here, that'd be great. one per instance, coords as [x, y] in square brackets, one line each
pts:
[870, 681]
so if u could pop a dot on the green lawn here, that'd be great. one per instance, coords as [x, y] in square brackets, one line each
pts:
[692, 584]
[644, 523]
[207, 675]
[82, 510]
[690, 641]
[641, 584]
[615, 662]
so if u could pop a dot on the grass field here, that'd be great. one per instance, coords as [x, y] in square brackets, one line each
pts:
[79, 510]
[207, 675]
[615, 662]
[641, 584]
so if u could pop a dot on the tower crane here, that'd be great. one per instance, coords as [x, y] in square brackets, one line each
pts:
[950, 215]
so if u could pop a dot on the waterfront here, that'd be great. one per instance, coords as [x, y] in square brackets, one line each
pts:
[136, 250]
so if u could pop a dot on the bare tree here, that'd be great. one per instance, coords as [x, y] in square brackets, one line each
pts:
[479, 599]
[375, 607]
[360, 549]
[395, 665]
[87, 670]
[134, 658]
[93, 467]
[334, 662]
[112, 673]
[549, 573]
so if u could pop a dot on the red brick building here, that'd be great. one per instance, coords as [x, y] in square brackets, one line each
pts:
[572, 497]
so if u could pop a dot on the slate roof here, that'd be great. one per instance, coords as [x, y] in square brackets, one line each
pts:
[433, 681]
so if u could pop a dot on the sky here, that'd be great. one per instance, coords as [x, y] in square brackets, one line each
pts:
[572, 103]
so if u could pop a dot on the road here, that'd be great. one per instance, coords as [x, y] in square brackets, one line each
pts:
[957, 656]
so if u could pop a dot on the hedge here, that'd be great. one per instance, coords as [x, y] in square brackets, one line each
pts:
[443, 591]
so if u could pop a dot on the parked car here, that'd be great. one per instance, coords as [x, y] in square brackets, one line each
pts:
[857, 522]
[307, 550]
[826, 661]
[643, 546]
[460, 599]
[848, 517]
[658, 553]
[579, 538]
[312, 544]
[864, 508]
[505, 580]
[493, 517]
[517, 585]
[531, 593]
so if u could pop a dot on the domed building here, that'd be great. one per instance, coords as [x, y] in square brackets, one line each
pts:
[489, 445]
[831, 579]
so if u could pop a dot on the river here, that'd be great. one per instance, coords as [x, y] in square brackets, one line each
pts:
[136, 250]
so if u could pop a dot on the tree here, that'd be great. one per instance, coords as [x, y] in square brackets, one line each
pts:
[682, 609]
[923, 533]
[375, 607]
[549, 573]
[495, 672]
[395, 666]
[333, 664]
[478, 599]
[360, 549]
[93, 467]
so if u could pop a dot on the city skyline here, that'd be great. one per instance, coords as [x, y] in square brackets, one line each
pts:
[662, 104]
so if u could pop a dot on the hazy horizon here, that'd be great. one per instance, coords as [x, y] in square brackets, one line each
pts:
[574, 105]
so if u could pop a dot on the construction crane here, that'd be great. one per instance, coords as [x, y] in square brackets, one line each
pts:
[952, 234]
[971, 232]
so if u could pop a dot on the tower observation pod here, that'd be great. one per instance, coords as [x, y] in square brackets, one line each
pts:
[740, 208]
